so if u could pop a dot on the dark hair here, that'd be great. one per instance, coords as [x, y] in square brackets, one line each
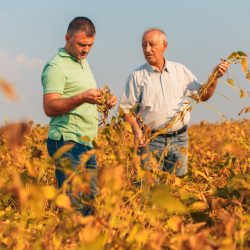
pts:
[81, 23]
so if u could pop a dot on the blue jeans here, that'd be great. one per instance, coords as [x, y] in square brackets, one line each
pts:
[73, 156]
[172, 153]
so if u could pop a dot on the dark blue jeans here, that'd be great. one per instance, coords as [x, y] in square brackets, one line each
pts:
[73, 156]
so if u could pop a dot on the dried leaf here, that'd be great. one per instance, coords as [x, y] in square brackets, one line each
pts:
[244, 64]
[161, 198]
[49, 192]
[241, 54]
[244, 110]
[248, 75]
[85, 138]
[198, 206]
[175, 223]
[242, 94]
[63, 201]
[232, 55]
[62, 150]
[230, 81]
[8, 90]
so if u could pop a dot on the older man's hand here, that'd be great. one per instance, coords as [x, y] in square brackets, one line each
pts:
[221, 68]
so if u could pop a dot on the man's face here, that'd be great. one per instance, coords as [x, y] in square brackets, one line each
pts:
[78, 44]
[154, 46]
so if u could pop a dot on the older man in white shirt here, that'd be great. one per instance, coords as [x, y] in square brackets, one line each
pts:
[160, 89]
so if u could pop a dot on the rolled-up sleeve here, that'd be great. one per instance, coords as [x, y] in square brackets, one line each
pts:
[192, 83]
[131, 94]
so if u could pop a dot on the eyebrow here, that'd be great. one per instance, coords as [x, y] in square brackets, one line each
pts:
[85, 44]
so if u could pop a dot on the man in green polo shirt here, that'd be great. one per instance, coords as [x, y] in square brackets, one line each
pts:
[70, 97]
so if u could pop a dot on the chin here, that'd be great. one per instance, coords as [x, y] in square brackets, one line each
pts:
[150, 62]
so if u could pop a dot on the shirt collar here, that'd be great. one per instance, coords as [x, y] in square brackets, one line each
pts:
[62, 52]
[152, 69]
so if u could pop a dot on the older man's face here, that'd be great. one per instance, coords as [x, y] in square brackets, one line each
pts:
[153, 46]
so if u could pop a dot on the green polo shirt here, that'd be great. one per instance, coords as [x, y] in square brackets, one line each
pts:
[65, 75]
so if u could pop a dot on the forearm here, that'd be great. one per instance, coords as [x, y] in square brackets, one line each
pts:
[209, 88]
[54, 104]
[61, 106]
[132, 121]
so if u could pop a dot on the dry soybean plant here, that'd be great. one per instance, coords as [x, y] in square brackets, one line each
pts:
[103, 104]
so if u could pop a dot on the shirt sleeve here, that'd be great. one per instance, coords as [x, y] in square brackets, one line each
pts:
[53, 79]
[131, 94]
[193, 84]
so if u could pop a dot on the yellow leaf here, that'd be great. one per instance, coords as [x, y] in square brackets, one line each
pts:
[244, 64]
[85, 138]
[232, 55]
[8, 90]
[198, 206]
[230, 81]
[63, 150]
[2, 213]
[248, 75]
[175, 223]
[63, 201]
[241, 54]
[49, 192]
[161, 198]
[242, 94]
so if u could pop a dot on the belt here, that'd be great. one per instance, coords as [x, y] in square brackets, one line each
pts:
[175, 133]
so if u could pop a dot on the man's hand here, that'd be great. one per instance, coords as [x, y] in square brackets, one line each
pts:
[141, 138]
[91, 96]
[221, 68]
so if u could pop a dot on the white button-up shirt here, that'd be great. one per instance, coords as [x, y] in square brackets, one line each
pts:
[159, 95]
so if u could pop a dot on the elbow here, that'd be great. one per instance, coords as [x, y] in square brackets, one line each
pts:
[204, 99]
[48, 112]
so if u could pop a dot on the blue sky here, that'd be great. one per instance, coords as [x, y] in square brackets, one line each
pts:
[199, 34]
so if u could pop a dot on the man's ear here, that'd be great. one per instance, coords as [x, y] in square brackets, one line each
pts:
[67, 36]
[165, 44]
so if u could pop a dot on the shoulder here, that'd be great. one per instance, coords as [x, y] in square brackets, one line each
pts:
[175, 66]
[178, 68]
[54, 64]
[139, 72]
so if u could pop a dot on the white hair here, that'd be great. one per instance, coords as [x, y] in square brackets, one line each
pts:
[161, 32]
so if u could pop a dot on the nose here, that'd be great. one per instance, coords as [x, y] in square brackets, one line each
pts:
[147, 47]
[86, 48]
